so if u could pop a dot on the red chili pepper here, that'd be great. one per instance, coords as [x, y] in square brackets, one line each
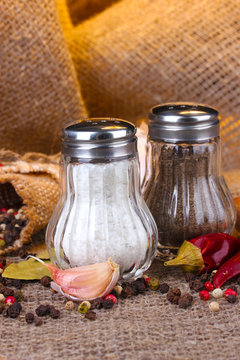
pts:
[216, 249]
[205, 253]
[228, 270]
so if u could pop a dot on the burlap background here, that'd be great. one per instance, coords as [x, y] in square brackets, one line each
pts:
[128, 57]
[39, 91]
[140, 328]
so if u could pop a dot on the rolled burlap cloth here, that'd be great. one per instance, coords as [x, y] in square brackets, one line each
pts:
[29, 189]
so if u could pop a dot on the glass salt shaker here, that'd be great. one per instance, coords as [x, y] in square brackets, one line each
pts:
[101, 213]
[184, 189]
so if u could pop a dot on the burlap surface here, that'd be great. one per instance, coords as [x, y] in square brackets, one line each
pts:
[33, 181]
[143, 327]
[138, 53]
[39, 91]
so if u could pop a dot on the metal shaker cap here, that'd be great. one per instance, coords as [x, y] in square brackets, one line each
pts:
[183, 122]
[99, 138]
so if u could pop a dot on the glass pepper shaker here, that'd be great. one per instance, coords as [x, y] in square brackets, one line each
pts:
[101, 213]
[184, 189]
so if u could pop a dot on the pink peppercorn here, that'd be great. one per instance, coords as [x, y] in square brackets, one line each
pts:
[10, 300]
[111, 297]
[3, 209]
[147, 280]
[229, 291]
[1, 265]
[209, 286]
[204, 295]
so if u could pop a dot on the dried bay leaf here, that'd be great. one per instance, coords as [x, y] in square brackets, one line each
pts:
[43, 254]
[26, 270]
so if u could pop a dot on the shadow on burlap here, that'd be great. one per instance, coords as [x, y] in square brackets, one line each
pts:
[143, 327]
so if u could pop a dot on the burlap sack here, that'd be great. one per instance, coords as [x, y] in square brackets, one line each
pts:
[138, 53]
[39, 91]
[30, 183]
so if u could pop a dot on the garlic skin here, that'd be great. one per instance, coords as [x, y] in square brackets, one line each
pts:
[84, 282]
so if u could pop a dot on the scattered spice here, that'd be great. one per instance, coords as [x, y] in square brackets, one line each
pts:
[37, 321]
[14, 310]
[118, 289]
[140, 285]
[229, 292]
[84, 307]
[185, 301]
[196, 285]
[29, 317]
[69, 305]
[9, 300]
[127, 291]
[163, 288]
[214, 306]
[217, 293]
[209, 286]
[204, 295]
[153, 283]
[91, 315]
[2, 298]
[46, 281]
[43, 310]
[173, 295]
[11, 224]
[97, 303]
[111, 297]
[54, 313]
[231, 298]
[13, 282]
[108, 304]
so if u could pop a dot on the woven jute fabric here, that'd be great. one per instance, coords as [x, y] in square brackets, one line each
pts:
[144, 327]
[39, 91]
[32, 181]
[138, 53]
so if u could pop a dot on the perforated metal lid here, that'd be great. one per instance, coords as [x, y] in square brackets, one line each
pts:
[99, 138]
[179, 122]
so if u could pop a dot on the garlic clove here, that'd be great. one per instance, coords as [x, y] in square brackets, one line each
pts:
[85, 282]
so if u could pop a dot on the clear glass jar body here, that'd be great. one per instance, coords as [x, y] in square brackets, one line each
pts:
[101, 214]
[185, 191]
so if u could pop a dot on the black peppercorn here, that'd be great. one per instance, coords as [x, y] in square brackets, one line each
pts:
[231, 298]
[29, 317]
[140, 284]
[164, 288]
[3, 260]
[91, 315]
[14, 310]
[127, 291]
[46, 281]
[97, 303]
[185, 301]
[54, 313]
[172, 298]
[43, 310]
[176, 291]
[108, 304]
